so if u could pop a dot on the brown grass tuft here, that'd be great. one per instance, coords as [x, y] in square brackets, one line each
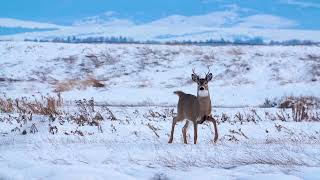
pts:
[70, 84]
[45, 106]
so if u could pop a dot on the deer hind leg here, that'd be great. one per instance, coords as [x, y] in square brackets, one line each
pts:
[184, 132]
[174, 122]
[215, 128]
[195, 134]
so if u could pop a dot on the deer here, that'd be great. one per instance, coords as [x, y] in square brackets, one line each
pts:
[196, 109]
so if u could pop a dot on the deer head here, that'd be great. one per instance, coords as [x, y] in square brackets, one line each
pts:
[203, 88]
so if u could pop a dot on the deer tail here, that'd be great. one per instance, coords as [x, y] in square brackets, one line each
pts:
[179, 93]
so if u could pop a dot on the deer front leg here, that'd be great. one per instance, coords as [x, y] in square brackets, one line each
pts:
[215, 128]
[184, 132]
[195, 133]
[174, 122]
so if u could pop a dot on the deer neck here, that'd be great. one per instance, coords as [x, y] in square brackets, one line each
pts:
[203, 94]
[205, 103]
[204, 97]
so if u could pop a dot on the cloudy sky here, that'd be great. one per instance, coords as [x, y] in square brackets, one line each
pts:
[296, 14]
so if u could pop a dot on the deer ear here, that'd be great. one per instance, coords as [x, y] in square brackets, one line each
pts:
[194, 77]
[209, 77]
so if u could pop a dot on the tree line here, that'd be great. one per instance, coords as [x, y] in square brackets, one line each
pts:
[129, 40]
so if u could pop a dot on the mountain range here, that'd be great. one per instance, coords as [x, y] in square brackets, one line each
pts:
[228, 25]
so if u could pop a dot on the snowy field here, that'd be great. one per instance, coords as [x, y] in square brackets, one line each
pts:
[96, 111]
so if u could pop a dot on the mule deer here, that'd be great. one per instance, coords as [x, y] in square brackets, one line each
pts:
[194, 108]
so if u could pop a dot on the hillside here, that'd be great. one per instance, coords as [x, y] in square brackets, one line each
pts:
[243, 75]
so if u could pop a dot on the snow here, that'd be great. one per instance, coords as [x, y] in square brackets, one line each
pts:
[139, 81]
[124, 154]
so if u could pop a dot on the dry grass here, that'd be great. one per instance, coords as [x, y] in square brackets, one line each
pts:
[249, 116]
[80, 84]
[154, 129]
[45, 106]
[85, 114]
[301, 107]
[149, 57]
[102, 58]
[6, 105]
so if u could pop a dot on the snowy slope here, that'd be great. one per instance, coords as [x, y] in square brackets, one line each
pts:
[135, 74]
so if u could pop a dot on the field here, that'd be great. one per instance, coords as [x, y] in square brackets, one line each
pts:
[104, 111]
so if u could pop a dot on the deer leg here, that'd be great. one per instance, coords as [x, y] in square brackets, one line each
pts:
[174, 122]
[195, 134]
[184, 132]
[215, 128]
[203, 119]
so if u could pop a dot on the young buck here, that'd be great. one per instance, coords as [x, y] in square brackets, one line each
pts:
[194, 108]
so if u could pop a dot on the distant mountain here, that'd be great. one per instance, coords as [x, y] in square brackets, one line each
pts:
[227, 25]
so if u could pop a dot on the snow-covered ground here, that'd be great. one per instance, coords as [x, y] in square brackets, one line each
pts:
[140, 74]
[137, 105]
[134, 146]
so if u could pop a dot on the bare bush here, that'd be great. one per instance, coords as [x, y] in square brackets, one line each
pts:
[84, 114]
[268, 103]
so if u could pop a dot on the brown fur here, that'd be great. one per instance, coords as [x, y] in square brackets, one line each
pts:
[188, 108]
